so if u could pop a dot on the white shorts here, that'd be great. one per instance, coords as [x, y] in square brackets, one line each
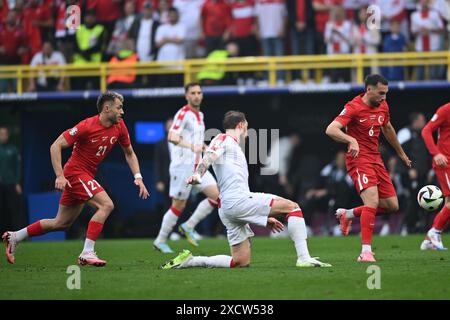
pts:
[180, 190]
[253, 208]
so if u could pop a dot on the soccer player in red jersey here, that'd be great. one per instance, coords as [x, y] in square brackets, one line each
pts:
[441, 156]
[363, 119]
[92, 140]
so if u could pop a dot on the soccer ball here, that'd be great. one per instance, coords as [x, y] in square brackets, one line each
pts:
[430, 197]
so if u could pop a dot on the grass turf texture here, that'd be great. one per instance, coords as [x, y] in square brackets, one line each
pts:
[132, 271]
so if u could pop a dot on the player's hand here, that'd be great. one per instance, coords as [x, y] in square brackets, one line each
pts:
[406, 160]
[143, 193]
[353, 148]
[194, 179]
[61, 182]
[440, 160]
[274, 225]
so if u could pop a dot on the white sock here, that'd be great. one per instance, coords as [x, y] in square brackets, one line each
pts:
[297, 232]
[169, 221]
[203, 209]
[366, 248]
[435, 230]
[349, 214]
[220, 261]
[21, 235]
[88, 245]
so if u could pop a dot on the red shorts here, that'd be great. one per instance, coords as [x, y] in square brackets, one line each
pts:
[84, 187]
[443, 175]
[372, 174]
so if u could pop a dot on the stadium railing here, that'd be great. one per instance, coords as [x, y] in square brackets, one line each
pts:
[190, 68]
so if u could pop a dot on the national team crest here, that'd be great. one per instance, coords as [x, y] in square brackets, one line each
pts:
[73, 131]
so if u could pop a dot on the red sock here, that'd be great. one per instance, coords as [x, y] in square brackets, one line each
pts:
[295, 213]
[94, 230]
[175, 211]
[442, 219]
[358, 210]
[35, 229]
[367, 224]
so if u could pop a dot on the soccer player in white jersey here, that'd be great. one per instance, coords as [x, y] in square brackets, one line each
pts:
[238, 206]
[187, 135]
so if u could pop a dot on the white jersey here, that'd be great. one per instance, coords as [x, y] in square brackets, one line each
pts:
[190, 126]
[231, 169]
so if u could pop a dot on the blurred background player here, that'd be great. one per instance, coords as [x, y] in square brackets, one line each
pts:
[187, 135]
[238, 206]
[364, 118]
[93, 138]
[441, 154]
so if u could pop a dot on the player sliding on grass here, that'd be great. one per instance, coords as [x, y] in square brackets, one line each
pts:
[238, 206]
[363, 119]
[441, 156]
[92, 140]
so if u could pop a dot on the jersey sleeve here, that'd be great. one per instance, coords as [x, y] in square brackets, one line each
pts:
[76, 133]
[124, 138]
[427, 132]
[347, 114]
[179, 122]
[217, 145]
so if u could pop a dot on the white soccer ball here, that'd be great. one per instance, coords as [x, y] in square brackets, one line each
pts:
[430, 197]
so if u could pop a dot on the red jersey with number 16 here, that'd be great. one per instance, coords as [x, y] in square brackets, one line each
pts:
[92, 142]
[364, 123]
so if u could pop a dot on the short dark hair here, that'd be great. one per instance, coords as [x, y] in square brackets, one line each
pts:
[374, 79]
[414, 116]
[107, 96]
[190, 85]
[232, 119]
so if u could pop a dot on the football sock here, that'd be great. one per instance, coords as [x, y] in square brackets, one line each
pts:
[442, 219]
[356, 212]
[220, 261]
[297, 232]
[22, 234]
[366, 248]
[33, 230]
[367, 224]
[92, 234]
[169, 221]
[203, 209]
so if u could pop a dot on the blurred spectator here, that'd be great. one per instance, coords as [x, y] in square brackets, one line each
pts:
[107, 13]
[301, 27]
[393, 10]
[126, 75]
[415, 178]
[162, 14]
[10, 188]
[161, 162]
[89, 45]
[38, 22]
[365, 40]
[143, 32]
[54, 81]
[121, 29]
[213, 73]
[271, 22]
[189, 11]
[338, 35]
[13, 45]
[428, 28]
[395, 41]
[216, 19]
[65, 37]
[169, 41]
[322, 10]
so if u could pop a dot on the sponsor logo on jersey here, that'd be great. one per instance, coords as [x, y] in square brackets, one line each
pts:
[362, 120]
[73, 131]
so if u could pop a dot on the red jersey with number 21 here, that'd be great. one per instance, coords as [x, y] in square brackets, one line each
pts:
[364, 124]
[92, 142]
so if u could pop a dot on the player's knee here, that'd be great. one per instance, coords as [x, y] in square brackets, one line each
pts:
[108, 206]
[242, 262]
[394, 207]
[447, 205]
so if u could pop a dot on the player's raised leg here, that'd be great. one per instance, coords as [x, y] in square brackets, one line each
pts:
[204, 208]
[297, 231]
[64, 218]
[433, 239]
[168, 223]
[104, 205]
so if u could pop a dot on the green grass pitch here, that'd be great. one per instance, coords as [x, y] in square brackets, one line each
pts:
[132, 271]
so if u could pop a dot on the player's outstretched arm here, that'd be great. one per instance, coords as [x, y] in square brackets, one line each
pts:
[178, 140]
[334, 131]
[55, 155]
[390, 135]
[133, 163]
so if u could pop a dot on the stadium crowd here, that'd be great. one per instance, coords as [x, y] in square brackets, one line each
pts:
[34, 32]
